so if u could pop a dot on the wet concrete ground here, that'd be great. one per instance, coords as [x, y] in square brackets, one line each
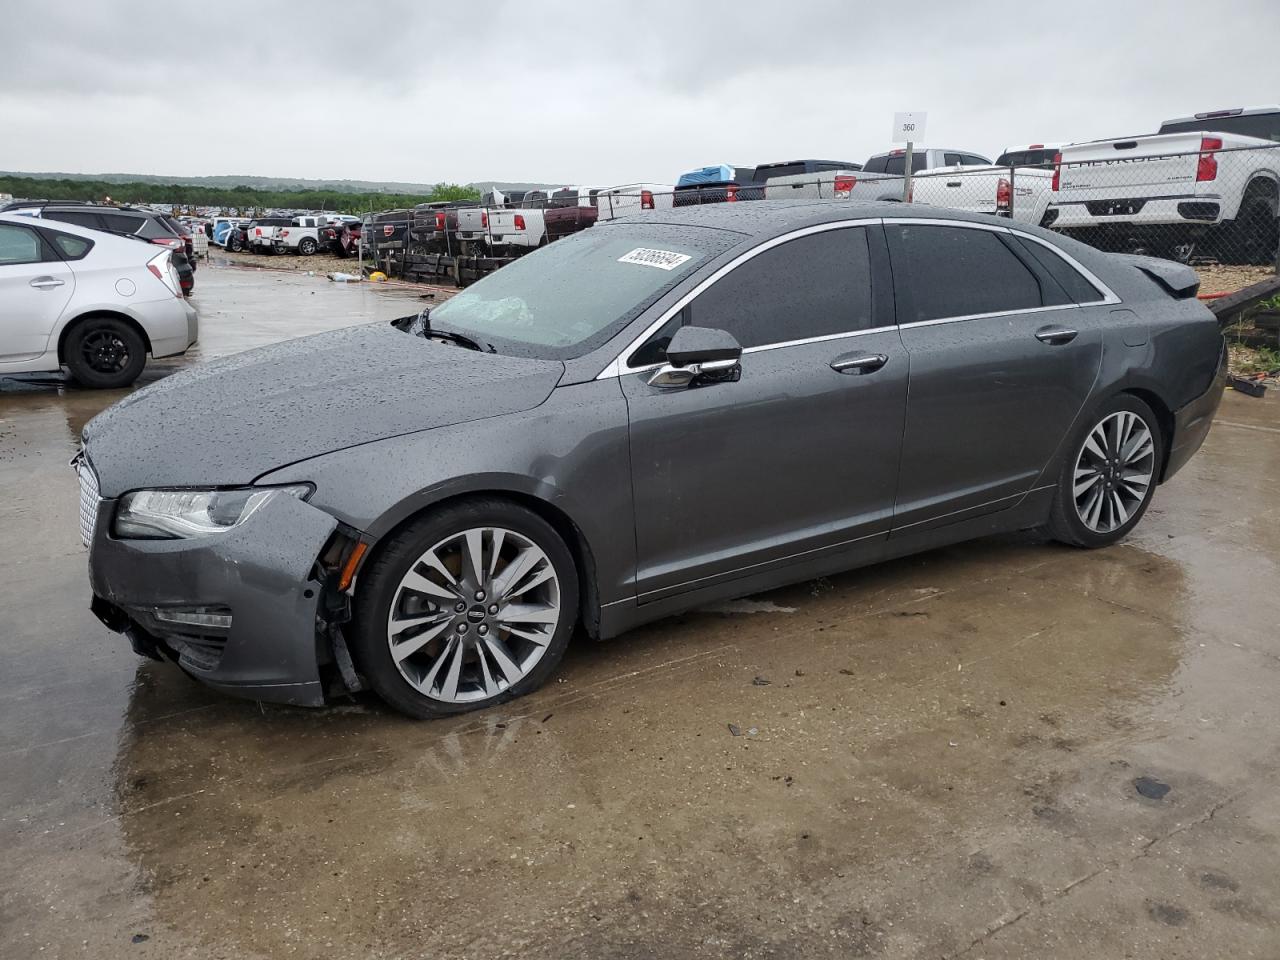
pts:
[943, 762]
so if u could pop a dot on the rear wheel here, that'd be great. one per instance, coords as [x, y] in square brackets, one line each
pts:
[1252, 238]
[465, 608]
[1108, 479]
[104, 353]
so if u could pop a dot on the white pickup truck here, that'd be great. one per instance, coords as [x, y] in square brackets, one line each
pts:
[1017, 185]
[630, 198]
[302, 235]
[880, 178]
[1206, 180]
[520, 227]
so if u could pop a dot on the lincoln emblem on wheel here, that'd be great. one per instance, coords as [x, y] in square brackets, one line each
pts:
[590, 439]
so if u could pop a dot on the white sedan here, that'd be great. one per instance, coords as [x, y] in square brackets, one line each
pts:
[91, 303]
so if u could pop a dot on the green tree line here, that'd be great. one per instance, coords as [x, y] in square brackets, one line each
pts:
[231, 200]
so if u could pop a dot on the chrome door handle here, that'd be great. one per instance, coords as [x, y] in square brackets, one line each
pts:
[859, 363]
[44, 283]
[1056, 335]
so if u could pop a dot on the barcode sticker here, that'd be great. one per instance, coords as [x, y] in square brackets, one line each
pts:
[662, 259]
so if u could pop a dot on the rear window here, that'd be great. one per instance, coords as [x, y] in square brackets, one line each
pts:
[896, 163]
[1264, 126]
[1026, 158]
[135, 225]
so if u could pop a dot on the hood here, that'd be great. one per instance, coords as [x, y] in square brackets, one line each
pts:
[229, 421]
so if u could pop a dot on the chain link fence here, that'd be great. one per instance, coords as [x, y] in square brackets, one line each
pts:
[1215, 208]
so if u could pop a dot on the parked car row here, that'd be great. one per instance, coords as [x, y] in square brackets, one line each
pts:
[305, 234]
[143, 225]
[92, 301]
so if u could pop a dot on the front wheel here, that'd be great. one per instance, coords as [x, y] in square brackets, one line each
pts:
[104, 353]
[464, 609]
[307, 247]
[1109, 476]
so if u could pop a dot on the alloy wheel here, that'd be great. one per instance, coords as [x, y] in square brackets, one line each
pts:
[104, 351]
[1114, 471]
[473, 615]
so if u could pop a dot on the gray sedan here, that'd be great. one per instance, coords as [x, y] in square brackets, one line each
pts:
[653, 414]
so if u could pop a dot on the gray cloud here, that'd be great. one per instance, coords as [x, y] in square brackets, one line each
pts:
[596, 92]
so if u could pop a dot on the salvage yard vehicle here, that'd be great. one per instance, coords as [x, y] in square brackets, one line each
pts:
[87, 301]
[629, 198]
[718, 183]
[569, 210]
[519, 228]
[145, 225]
[260, 235]
[473, 218]
[1195, 180]
[656, 413]
[1017, 185]
[300, 235]
[880, 178]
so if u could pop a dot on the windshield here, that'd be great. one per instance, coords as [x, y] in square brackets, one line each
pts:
[571, 296]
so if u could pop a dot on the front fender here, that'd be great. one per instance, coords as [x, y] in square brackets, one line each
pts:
[571, 453]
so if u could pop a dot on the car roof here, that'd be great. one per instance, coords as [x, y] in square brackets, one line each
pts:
[763, 218]
[97, 236]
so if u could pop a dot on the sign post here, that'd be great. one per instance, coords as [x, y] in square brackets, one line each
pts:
[908, 128]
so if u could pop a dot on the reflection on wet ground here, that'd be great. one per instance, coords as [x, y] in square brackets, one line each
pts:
[936, 757]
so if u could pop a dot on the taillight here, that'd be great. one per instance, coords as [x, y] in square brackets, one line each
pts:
[519, 221]
[284, 233]
[1057, 172]
[162, 269]
[844, 185]
[1207, 166]
[173, 243]
[257, 231]
[439, 221]
[484, 221]
[388, 230]
[646, 199]
[731, 193]
[1004, 195]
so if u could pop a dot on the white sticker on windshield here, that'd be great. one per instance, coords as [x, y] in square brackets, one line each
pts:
[662, 259]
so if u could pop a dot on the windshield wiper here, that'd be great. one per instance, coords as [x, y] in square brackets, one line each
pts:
[420, 326]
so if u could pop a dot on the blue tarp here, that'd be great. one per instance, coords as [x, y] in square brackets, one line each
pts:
[720, 173]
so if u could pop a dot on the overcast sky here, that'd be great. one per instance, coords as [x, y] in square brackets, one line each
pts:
[597, 93]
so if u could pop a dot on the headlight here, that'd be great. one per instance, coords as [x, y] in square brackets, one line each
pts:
[175, 514]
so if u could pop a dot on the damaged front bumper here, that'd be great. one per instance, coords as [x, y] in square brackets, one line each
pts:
[252, 611]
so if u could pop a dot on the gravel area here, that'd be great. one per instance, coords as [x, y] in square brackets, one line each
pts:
[1221, 279]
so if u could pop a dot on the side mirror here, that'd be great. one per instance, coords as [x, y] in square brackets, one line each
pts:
[697, 356]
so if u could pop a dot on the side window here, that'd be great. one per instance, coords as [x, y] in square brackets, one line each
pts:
[812, 286]
[81, 218]
[952, 160]
[19, 245]
[124, 223]
[956, 272]
[1068, 277]
[71, 247]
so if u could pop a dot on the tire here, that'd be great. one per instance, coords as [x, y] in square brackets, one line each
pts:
[1253, 236]
[235, 246]
[104, 353]
[1106, 505]
[424, 577]
[307, 247]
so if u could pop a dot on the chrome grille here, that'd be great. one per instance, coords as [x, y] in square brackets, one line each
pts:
[88, 500]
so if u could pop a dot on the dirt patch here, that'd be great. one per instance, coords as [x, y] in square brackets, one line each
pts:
[1215, 278]
[319, 263]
